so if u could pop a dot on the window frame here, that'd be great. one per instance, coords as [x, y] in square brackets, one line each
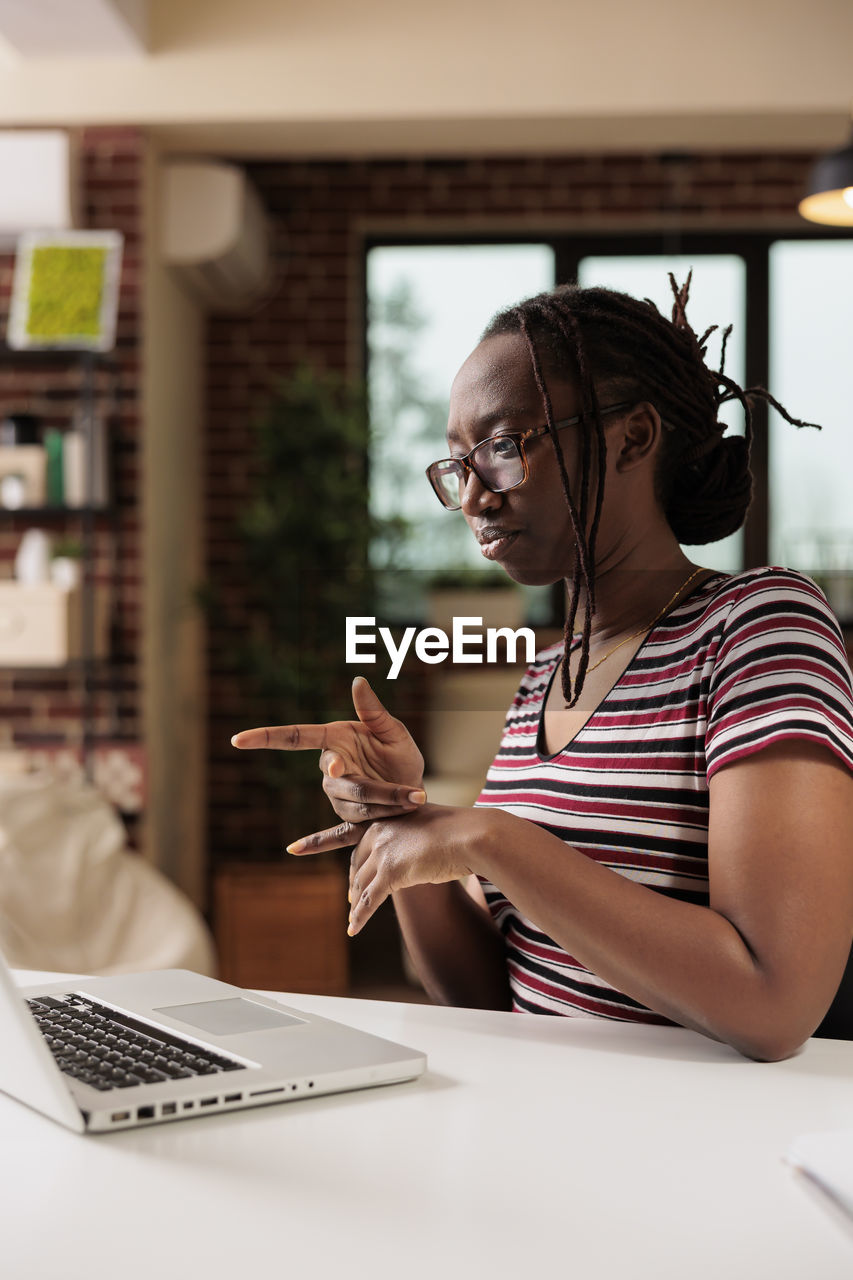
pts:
[571, 246]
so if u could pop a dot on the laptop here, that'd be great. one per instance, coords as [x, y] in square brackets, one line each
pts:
[120, 1052]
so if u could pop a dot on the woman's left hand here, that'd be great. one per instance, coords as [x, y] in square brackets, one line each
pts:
[431, 846]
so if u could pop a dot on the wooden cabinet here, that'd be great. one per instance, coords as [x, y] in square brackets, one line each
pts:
[283, 928]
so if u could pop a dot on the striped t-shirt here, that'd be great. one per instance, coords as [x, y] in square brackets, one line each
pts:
[741, 662]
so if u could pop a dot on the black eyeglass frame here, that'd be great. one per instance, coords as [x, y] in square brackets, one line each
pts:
[519, 438]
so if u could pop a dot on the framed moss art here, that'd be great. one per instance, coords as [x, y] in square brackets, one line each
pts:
[65, 291]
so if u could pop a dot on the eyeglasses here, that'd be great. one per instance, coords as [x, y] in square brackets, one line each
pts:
[499, 463]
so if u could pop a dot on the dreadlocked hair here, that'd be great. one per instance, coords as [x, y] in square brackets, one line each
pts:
[609, 344]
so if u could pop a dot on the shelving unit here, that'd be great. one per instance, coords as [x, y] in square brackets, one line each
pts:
[87, 398]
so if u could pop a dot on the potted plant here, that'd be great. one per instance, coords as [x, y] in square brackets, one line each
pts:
[304, 536]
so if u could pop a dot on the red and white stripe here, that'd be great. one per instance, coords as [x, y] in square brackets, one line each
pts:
[742, 662]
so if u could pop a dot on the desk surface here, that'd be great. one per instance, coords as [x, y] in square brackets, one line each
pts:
[533, 1146]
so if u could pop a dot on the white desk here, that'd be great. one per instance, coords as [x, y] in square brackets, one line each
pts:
[533, 1147]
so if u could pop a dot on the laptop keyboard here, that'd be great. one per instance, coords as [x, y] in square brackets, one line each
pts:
[110, 1050]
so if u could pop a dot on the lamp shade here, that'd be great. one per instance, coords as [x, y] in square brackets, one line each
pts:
[829, 195]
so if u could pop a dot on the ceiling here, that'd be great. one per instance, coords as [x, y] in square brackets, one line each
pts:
[329, 77]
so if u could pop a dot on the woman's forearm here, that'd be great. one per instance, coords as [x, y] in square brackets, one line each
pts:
[456, 949]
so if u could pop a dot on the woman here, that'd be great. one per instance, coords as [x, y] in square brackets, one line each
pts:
[665, 834]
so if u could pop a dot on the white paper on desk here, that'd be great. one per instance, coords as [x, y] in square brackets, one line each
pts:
[827, 1158]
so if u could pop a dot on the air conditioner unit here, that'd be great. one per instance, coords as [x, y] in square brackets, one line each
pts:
[39, 188]
[215, 233]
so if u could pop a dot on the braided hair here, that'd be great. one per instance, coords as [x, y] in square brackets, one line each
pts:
[612, 344]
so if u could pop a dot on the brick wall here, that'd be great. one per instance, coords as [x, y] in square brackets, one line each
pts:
[322, 213]
[42, 711]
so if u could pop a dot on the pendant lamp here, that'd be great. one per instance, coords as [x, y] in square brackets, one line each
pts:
[829, 194]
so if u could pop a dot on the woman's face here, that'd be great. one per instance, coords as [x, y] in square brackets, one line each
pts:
[527, 530]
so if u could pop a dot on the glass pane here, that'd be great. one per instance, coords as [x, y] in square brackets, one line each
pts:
[717, 296]
[811, 320]
[427, 306]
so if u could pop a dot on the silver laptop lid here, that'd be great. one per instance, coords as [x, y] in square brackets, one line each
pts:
[27, 1069]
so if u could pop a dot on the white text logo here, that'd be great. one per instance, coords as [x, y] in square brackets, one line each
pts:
[433, 645]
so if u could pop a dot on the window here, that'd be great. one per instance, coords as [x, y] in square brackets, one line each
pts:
[790, 301]
[427, 306]
[811, 320]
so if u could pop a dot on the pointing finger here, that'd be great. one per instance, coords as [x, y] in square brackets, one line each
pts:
[283, 737]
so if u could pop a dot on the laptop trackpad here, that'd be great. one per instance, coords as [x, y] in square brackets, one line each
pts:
[229, 1017]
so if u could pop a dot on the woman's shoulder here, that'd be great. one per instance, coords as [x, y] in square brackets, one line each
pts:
[768, 590]
[780, 668]
[764, 580]
[754, 607]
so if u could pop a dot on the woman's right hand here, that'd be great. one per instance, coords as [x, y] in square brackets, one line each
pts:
[371, 766]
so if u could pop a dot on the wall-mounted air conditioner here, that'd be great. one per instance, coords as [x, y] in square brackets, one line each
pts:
[215, 233]
[38, 182]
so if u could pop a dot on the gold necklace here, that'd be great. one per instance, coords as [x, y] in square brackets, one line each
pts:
[648, 627]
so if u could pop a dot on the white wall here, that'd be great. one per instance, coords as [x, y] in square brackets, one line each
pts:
[337, 76]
